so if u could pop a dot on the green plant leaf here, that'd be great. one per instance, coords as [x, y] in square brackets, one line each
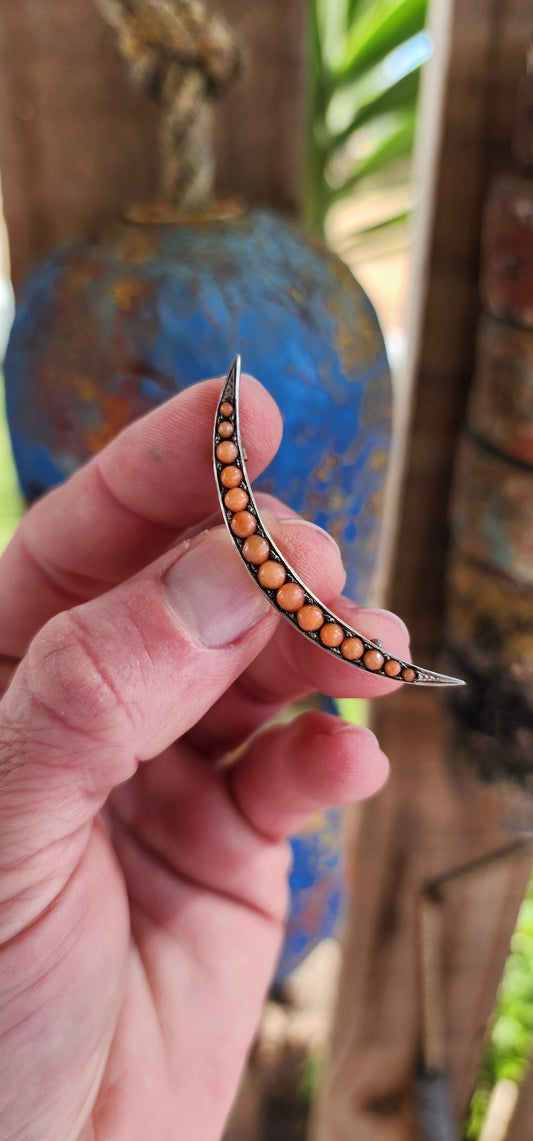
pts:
[351, 242]
[354, 709]
[352, 40]
[381, 28]
[315, 43]
[385, 224]
[398, 97]
[311, 1075]
[396, 145]
[356, 8]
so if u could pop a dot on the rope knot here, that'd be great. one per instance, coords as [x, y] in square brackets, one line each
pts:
[183, 57]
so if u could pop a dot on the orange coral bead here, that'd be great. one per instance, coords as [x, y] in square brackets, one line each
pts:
[236, 499]
[256, 549]
[310, 618]
[227, 451]
[331, 634]
[352, 649]
[226, 408]
[373, 659]
[392, 668]
[225, 429]
[408, 674]
[243, 524]
[231, 476]
[271, 575]
[290, 596]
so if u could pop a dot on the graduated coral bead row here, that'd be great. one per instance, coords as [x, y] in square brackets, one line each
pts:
[271, 574]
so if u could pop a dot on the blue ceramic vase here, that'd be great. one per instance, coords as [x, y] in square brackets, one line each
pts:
[108, 328]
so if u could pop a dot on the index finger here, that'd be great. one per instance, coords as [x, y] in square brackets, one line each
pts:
[123, 509]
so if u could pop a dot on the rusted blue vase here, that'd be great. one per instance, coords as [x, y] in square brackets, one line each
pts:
[106, 329]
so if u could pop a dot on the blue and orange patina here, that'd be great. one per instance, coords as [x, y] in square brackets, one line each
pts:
[107, 329]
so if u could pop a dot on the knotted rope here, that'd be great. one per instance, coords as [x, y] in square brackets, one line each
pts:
[183, 57]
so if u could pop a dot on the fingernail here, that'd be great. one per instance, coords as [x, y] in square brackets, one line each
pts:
[291, 521]
[212, 593]
[386, 614]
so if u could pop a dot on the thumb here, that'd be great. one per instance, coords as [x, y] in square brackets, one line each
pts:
[114, 682]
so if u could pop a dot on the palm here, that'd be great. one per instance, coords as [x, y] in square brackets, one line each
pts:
[138, 992]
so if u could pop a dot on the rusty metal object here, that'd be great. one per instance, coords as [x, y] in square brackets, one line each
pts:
[489, 638]
[492, 511]
[501, 398]
[490, 623]
[490, 575]
[109, 328]
[507, 270]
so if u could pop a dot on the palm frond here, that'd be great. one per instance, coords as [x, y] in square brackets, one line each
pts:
[399, 96]
[382, 28]
[366, 57]
[396, 145]
[349, 241]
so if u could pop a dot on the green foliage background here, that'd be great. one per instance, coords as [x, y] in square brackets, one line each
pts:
[10, 498]
[511, 1037]
[364, 91]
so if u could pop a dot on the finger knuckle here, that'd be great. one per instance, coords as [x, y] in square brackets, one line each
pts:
[67, 677]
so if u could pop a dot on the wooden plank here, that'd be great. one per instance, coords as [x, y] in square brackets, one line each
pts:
[425, 824]
[77, 141]
[261, 124]
[486, 56]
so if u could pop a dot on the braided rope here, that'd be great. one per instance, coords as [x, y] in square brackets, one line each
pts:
[183, 57]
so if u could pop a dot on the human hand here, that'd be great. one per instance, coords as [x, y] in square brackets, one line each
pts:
[143, 886]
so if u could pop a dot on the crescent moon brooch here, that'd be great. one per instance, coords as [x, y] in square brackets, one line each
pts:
[271, 572]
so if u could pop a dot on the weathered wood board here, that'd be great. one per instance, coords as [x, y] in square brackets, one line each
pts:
[77, 141]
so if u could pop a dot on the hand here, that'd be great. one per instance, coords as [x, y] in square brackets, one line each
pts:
[142, 881]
